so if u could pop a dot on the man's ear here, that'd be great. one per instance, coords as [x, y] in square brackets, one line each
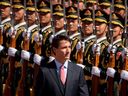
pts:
[54, 50]
[121, 31]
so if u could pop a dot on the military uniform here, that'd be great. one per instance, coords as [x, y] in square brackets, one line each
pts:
[103, 42]
[4, 58]
[71, 13]
[33, 31]
[46, 31]
[19, 28]
[119, 62]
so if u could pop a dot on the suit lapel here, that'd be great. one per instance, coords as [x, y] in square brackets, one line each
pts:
[69, 77]
[53, 71]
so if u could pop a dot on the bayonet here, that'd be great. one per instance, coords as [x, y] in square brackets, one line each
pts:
[65, 21]
[52, 21]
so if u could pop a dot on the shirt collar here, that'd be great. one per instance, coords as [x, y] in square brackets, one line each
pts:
[58, 64]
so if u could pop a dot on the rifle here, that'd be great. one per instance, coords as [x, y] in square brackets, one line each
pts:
[65, 22]
[9, 81]
[38, 45]
[123, 90]
[21, 89]
[8, 85]
[80, 51]
[52, 21]
[22, 83]
[95, 79]
[1, 31]
[110, 82]
[124, 83]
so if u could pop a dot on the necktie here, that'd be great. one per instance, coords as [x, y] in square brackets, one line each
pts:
[62, 74]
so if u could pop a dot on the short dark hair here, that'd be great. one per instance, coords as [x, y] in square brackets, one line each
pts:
[56, 40]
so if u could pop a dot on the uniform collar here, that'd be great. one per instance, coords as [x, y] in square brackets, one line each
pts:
[60, 32]
[74, 35]
[101, 39]
[32, 27]
[18, 25]
[5, 20]
[119, 40]
[46, 27]
[89, 37]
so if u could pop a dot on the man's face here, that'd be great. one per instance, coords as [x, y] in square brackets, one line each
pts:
[116, 31]
[87, 27]
[101, 28]
[72, 24]
[63, 52]
[5, 11]
[19, 14]
[56, 2]
[59, 22]
[45, 18]
[121, 12]
[31, 16]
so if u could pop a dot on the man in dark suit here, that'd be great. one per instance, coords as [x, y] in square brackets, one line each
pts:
[49, 80]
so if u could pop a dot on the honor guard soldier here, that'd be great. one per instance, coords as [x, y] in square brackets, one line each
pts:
[88, 39]
[32, 21]
[118, 26]
[59, 21]
[105, 6]
[58, 17]
[81, 4]
[45, 24]
[119, 7]
[33, 32]
[19, 29]
[72, 28]
[5, 25]
[90, 4]
[101, 24]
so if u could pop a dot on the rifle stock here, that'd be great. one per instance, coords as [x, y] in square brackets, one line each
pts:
[124, 83]
[1, 37]
[8, 85]
[38, 45]
[110, 83]
[80, 56]
[95, 79]
[22, 83]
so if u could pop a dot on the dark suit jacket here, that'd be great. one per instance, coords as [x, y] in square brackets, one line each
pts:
[49, 84]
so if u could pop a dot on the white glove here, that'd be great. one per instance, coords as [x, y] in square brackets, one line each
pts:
[1, 48]
[110, 72]
[37, 59]
[95, 71]
[51, 38]
[51, 58]
[124, 75]
[81, 65]
[25, 55]
[114, 48]
[12, 51]
[78, 46]
[109, 48]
